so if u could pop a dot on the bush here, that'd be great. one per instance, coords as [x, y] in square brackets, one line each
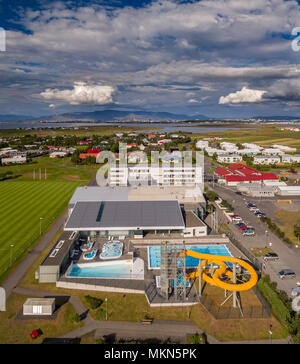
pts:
[211, 196]
[93, 302]
[76, 318]
[101, 314]
[197, 339]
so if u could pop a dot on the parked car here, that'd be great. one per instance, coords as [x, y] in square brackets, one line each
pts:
[250, 204]
[253, 209]
[295, 292]
[286, 274]
[241, 226]
[270, 256]
[236, 218]
[248, 232]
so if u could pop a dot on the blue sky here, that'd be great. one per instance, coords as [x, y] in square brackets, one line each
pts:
[220, 58]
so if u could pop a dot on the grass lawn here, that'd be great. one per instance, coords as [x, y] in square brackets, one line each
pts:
[258, 252]
[50, 169]
[287, 220]
[262, 135]
[16, 331]
[83, 131]
[22, 205]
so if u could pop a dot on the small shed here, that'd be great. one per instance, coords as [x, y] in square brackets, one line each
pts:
[39, 307]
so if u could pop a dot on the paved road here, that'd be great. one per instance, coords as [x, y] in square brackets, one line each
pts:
[289, 257]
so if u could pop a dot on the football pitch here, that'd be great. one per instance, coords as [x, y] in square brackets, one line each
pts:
[22, 206]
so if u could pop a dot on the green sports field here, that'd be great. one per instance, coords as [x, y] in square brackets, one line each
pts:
[22, 205]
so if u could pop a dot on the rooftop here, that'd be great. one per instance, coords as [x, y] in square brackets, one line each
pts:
[118, 215]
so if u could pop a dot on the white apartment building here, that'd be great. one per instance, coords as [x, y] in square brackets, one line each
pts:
[265, 159]
[14, 160]
[252, 146]
[212, 151]
[287, 158]
[58, 154]
[249, 152]
[229, 158]
[272, 151]
[202, 144]
[163, 175]
[229, 147]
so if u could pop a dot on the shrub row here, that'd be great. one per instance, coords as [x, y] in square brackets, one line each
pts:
[275, 228]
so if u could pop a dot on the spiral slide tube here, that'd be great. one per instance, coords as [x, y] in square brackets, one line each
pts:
[222, 271]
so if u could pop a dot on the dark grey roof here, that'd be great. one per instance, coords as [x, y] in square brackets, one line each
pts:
[125, 214]
[59, 250]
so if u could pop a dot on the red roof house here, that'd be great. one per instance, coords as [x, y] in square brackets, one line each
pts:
[236, 173]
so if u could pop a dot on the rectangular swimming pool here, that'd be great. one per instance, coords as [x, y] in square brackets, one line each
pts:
[123, 269]
[154, 254]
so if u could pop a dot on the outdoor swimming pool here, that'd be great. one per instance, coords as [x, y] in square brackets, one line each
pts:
[124, 269]
[154, 254]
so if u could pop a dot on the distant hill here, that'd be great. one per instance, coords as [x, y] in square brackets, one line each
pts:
[277, 118]
[105, 116]
[119, 115]
[8, 117]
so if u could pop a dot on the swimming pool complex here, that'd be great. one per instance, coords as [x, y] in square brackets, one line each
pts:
[154, 254]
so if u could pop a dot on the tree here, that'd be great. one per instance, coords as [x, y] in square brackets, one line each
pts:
[211, 195]
[297, 231]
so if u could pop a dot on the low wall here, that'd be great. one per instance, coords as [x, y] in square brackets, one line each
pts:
[91, 287]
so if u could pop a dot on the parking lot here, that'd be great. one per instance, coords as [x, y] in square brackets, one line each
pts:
[288, 257]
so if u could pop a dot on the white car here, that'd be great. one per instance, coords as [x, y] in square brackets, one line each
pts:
[295, 292]
[236, 218]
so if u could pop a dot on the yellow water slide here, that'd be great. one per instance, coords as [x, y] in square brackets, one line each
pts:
[221, 276]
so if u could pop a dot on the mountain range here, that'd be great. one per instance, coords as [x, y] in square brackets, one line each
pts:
[127, 116]
[105, 116]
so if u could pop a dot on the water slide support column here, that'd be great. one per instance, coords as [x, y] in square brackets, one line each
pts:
[234, 281]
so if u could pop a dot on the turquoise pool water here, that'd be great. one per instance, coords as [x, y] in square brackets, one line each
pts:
[154, 254]
[112, 249]
[121, 271]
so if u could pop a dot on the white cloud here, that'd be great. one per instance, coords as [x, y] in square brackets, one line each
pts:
[244, 95]
[82, 93]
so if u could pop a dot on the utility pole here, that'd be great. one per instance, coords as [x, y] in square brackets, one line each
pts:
[106, 307]
[41, 218]
[11, 256]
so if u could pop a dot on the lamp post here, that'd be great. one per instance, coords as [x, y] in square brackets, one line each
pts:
[270, 333]
[41, 218]
[106, 308]
[10, 260]
[266, 240]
